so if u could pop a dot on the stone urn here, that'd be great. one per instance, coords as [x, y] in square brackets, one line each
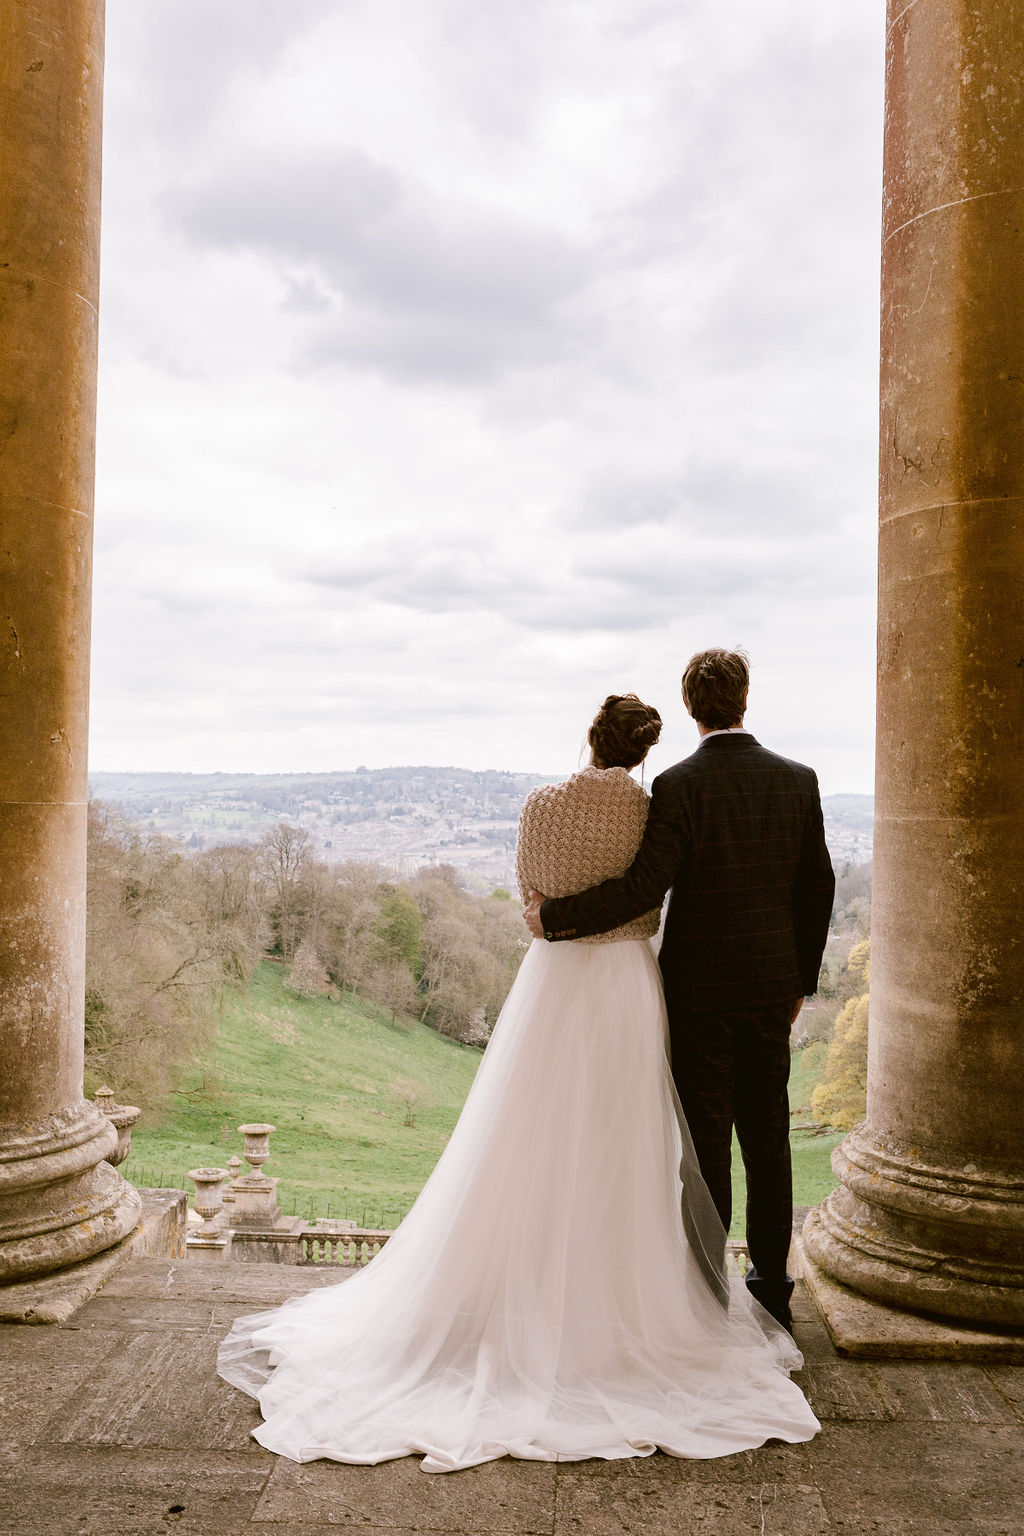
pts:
[234, 1164]
[122, 1117]
[209, 1198]
[257, 1144]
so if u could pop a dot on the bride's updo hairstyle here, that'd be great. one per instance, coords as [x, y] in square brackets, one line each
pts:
[623, 732]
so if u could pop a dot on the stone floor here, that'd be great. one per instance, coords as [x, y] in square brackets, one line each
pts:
[115, 1424]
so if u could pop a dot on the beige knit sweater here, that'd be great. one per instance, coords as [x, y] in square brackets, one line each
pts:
[576, 834]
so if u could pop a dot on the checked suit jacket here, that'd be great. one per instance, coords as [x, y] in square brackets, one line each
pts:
[736, 832]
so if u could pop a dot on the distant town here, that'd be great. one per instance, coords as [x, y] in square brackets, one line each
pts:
[403, 817]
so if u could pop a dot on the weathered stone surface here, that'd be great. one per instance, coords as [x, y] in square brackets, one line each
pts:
[209, 1248]
[107, 1312]
[97, 1491]
[115, 1426]
[39, 1370]
[845, 1392]
[862, 1327]
[909, 1524]
[317, 1528]
[163, 1225]
[503, 1496]
[930, 1211]
[55, 1298]
[956, 1477]
[160, 1389]
[61, 1201]
[608, 1499]
[280, 1245]
[774, 1462]
[813, 1340]
[1008, 1381]
[264, 1285]
[949, 1394]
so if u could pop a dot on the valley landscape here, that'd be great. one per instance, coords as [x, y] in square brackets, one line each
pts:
[403, 817]
[328, 952]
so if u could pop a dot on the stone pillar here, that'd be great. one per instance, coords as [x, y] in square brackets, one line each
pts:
[930, 1212]
[60, 1202]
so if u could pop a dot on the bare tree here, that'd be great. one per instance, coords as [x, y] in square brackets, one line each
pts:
[307, 976]
[155, 963]
[286, 854]
[411, 1095]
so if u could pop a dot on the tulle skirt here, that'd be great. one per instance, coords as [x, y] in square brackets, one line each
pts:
[556, 1292]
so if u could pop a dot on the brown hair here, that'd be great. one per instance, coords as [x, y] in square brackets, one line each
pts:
[715, 688]
[623, 731]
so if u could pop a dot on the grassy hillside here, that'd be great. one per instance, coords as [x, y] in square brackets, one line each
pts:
[320, 1072]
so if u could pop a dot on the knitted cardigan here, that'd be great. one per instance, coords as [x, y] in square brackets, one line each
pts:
[576, 834]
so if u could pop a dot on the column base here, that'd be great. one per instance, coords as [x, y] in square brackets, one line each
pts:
[861, 1328]
[55, 1298]
[62, 1203]
[921, 1238]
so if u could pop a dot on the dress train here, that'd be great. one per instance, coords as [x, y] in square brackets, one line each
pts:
[553, 1294]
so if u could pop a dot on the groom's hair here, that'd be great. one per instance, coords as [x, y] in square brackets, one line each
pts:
[715, 688]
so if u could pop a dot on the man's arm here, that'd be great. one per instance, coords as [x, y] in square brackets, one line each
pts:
[641, 889]
[813, 892]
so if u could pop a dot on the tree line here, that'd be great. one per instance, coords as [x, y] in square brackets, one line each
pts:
[168, 928]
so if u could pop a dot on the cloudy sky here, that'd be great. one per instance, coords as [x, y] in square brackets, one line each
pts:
[465, 360]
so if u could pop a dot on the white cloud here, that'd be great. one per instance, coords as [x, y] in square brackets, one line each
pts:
[463, 363]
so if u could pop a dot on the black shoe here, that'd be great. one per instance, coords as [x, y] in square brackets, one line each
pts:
[773, 1295]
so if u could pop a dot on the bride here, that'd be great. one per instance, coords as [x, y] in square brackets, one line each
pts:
[558, 1290]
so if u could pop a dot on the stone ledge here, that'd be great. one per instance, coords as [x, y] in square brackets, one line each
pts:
[862, 1328]
[54, 1298]
[162, 1230]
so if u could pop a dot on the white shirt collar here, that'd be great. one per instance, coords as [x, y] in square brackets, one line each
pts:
[729, 730]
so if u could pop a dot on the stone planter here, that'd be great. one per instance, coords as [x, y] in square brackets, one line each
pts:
[122, 1117]
[257, 1144]
[209, 1199]
[234, 1164]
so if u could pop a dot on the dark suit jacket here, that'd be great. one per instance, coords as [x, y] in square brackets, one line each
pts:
[737, 833]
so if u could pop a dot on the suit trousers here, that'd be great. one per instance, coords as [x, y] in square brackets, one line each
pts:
[731, 1067]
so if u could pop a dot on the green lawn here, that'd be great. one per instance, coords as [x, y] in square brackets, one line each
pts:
[320, 1072]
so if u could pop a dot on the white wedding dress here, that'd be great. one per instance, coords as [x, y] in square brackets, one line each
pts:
[544, 1298]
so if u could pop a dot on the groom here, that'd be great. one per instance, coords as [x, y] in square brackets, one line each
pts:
[737, 833]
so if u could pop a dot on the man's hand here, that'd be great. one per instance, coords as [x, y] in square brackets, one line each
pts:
[531, 913]
[796, 1009]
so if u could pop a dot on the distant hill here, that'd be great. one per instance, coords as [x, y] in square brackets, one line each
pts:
[404, 817]
[849, 827]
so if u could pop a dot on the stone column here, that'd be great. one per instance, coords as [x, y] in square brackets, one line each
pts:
[60, 1202]
[930, 1212]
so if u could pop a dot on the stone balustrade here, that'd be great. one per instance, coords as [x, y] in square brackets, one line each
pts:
[351, 1249]
[260, 1236]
